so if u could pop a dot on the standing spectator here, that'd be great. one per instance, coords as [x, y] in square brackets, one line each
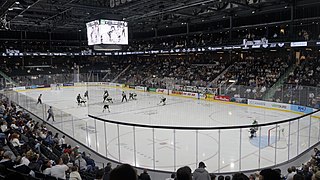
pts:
[200, 173]
[184, 173]
[290, 174]
[144, 175]
[50, 114]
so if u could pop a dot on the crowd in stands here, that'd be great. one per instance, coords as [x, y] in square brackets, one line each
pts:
[306, 73]
[256, 71]
[165, 71]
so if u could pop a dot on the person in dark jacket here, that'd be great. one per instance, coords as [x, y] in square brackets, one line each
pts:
[200, 173]
[144, 175]
[184, 173]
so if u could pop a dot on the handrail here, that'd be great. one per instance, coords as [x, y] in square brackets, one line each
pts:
[202, 127]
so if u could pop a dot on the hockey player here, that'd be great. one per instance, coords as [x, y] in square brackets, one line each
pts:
[109, 99]
[253, 130]
[86, 95]
[106, 106]
[133, 96]
[80, 100]
[162, 100]
[39, 99]
[105, 95]
[58, 86]
[124, 96]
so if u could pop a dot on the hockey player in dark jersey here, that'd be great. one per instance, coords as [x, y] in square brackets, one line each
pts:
[80, 100]
[105, 95]
[133, 96]
[162, 100]
[106, 106]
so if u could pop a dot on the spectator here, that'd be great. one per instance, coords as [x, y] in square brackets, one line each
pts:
[15, 140]
[241, 176]
[172, 177]
[81, 162]
[26, 158]
[107, 171]
[74, 175]
[200, 173]
[34, 164]
[298, 177]
[144, 175]
[184, 173]
[59, 170]
[212, 176]
[290, 174]
[49, 139]
[220, 177]
[46, 167]
[62, 142]
[269, 174]
[67, 149]
[306, 173]
[123, 172]
[7, 159]
[100, 174]
[316, 176]
[56, 138]
[90, 162]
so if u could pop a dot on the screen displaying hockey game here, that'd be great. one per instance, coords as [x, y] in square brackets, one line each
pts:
[107, 32]
[93, 32]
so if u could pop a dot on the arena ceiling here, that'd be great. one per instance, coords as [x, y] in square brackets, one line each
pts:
[71, 15]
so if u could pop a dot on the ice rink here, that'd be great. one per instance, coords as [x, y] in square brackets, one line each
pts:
[222, 150]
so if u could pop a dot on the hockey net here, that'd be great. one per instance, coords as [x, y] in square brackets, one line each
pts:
[56, 86]
[277, 137]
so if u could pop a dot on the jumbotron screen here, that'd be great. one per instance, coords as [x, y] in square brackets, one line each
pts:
[107, 32]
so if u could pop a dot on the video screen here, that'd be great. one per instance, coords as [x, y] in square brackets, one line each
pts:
[107, 32]
[93, 32]
[113, 32]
